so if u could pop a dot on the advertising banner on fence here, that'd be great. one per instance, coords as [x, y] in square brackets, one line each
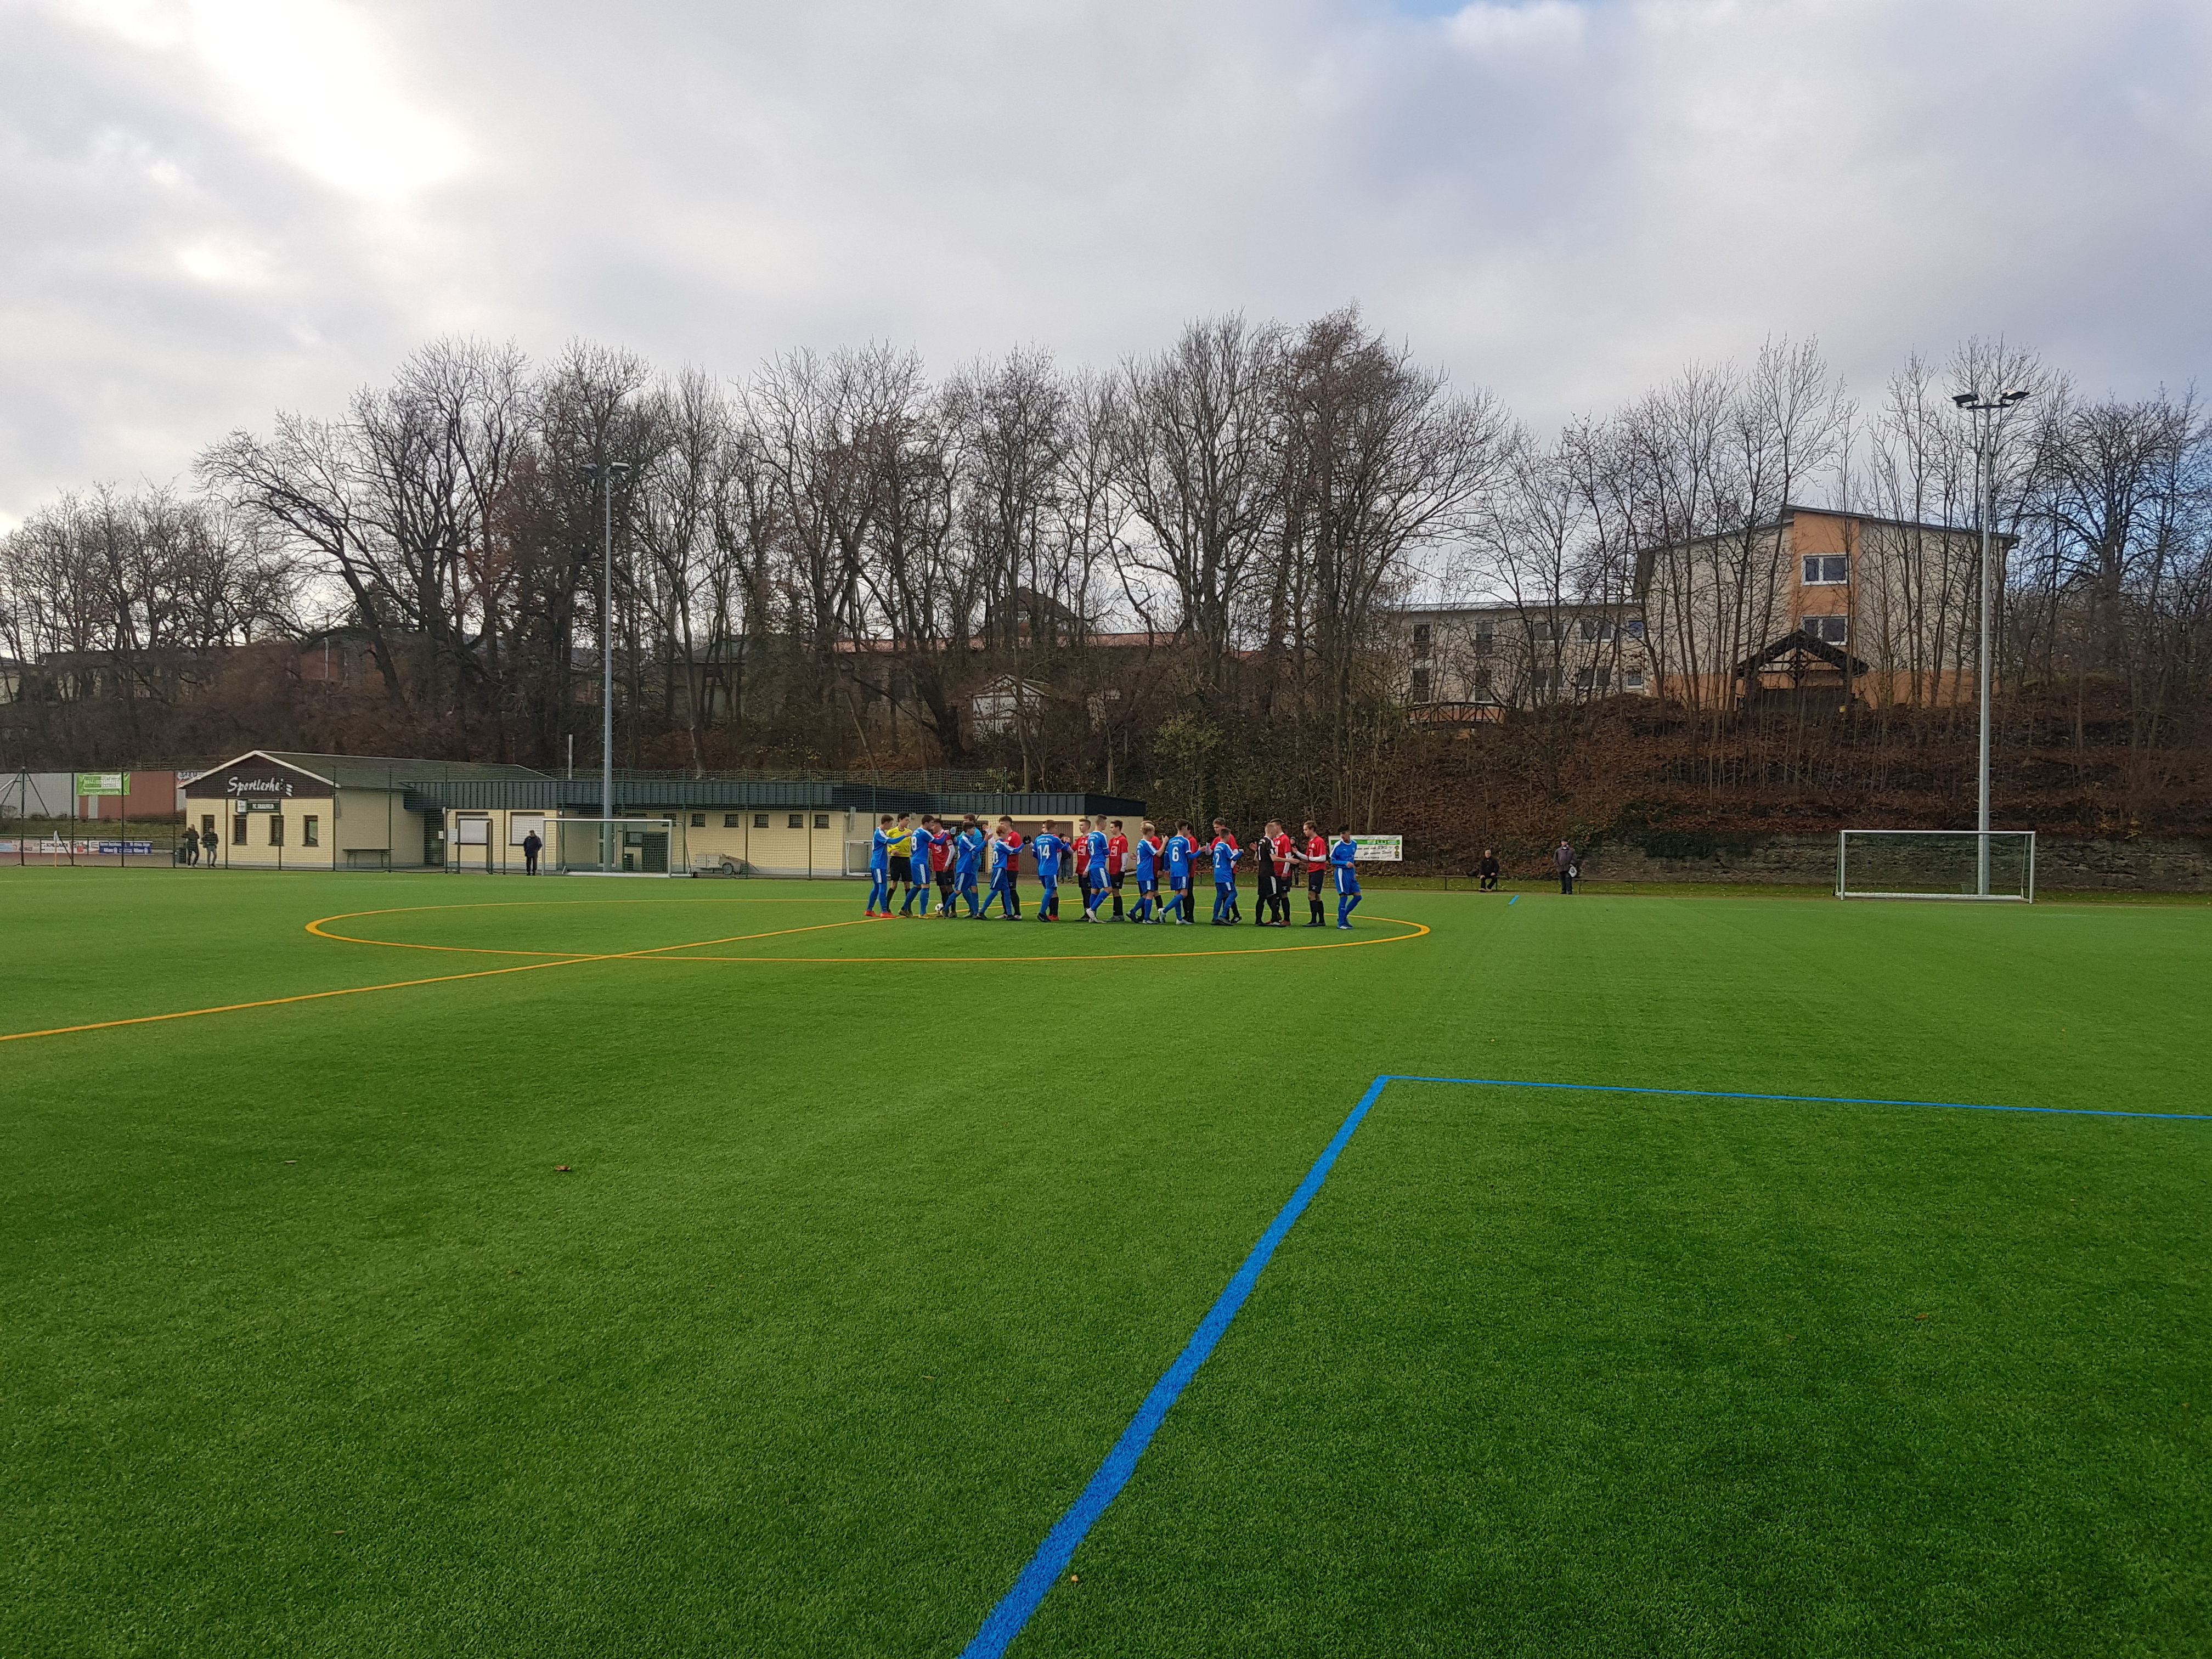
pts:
[103, 783]
[1380, 849]
[58, 845]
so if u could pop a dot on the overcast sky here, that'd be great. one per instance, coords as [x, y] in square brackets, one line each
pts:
[210, 209]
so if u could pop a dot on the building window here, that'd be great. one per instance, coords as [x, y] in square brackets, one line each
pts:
[311, 831]
[1597, 628]
[1823, 570]
[237, 830]
[1633, 627]
[1485, 629]
[822, 819]
[207, 824]
[276, 829]
[1482, 679]
[1632, 680]
[760, 820]
[1420, 639]
[731, 821]
[698, 820]
[1421, 685]
[1594, 680]
[798, 820]
[1832, 629]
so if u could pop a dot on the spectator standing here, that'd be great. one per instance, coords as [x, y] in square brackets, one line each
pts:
[531, 847]
[189, 848]
[1563, 856]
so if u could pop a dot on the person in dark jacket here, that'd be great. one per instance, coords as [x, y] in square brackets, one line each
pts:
[1486, 871]
[189, 848]
[1563, 856]
[531, 847]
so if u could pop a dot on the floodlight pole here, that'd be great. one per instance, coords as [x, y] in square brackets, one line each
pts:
[1987, 411]
[606, 470]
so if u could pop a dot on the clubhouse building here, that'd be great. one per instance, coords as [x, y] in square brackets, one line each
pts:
[280, 810]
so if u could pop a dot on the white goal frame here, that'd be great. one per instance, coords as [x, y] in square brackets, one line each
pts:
[611, 836]
[1982, 838]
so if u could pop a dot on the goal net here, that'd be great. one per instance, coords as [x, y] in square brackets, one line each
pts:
[1936, 864]
[615, 847]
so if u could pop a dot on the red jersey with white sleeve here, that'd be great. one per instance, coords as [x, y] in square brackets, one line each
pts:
[1317, 855]
[1117, 854]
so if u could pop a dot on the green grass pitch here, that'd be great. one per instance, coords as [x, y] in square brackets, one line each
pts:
[866, 1259]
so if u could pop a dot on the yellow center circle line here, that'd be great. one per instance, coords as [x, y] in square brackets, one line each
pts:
[661, 953]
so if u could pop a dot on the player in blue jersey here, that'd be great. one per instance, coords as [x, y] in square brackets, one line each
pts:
[1225, 853]
[1147, 854]
[1340, 859]
[1181, 849]
[1094, 869]
[1048, 849]
[967, 860]
[1005, 873]
[879, 868]
[920, 847]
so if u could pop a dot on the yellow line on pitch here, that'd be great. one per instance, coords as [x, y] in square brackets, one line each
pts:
[661, 953]
[278, 1002]
[569, 960]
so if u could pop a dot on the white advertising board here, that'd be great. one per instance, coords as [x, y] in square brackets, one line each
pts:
[1380, 849]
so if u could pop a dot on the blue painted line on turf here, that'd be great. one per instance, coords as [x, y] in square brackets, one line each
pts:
[1515, 899]
[1053, 1556]
[1808, 1100]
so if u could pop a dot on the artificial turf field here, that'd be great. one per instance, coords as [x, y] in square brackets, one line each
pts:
[865, 1261]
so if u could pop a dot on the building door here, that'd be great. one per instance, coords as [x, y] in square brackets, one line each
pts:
[655, 853]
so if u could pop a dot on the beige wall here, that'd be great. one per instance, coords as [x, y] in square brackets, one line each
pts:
[734, 834]
[368, 823]
[256, 852]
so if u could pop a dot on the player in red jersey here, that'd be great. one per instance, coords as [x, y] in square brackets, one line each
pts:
[1316, 853]
[1117, 863]
[1282, 863]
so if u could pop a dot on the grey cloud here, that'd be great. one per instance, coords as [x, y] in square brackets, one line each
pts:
[1562, 202]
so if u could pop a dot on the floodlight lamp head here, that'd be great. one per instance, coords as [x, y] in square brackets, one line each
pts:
[2017, 395]
[1965, 399]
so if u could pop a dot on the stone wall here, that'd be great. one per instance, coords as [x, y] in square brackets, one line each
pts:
[2060, 864]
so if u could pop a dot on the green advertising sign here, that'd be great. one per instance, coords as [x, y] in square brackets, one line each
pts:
[103, 783]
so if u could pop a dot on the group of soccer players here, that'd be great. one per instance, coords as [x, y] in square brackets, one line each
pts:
[942, 866]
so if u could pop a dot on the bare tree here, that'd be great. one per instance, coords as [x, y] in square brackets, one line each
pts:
[1198, 463]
